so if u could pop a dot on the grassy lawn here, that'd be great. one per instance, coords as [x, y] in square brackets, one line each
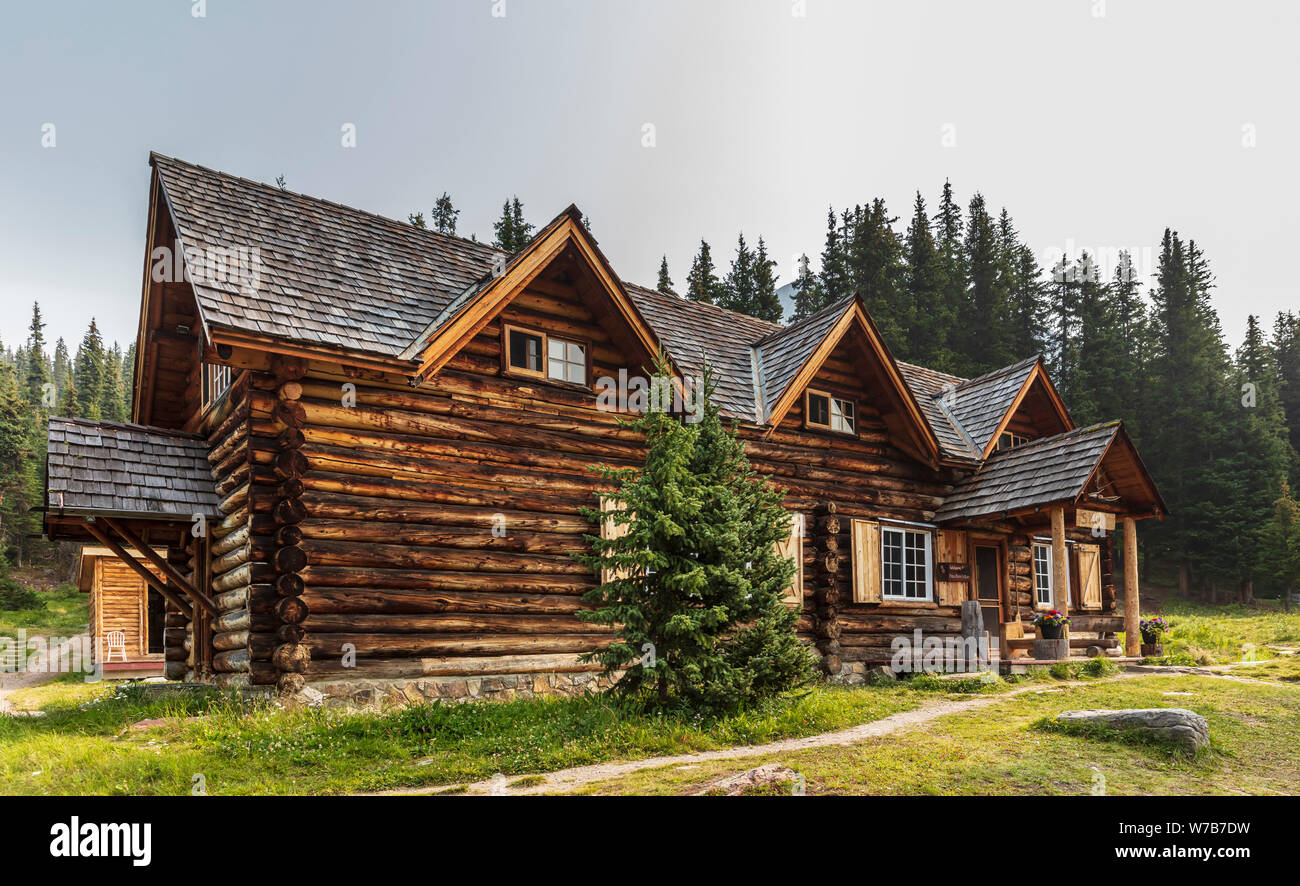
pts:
[1003, 749]
[65, 614]
[1204, 634]
[84, 743]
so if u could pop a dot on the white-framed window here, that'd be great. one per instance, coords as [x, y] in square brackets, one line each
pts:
[1008, 440]
[566, 361]
[905, 571]
[831, 413]
[529, 352]
[1043, 574]
[216, 381]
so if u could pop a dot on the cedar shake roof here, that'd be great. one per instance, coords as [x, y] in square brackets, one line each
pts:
[328, 274]
[980, 404]
[782, 353]
[1052, 469]
[692, 331]
[335, 276]
[109, 468]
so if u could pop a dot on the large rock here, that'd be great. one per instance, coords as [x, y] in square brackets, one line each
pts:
[1180, 727]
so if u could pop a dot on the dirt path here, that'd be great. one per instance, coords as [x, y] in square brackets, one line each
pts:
[569, 779]
[24, 679]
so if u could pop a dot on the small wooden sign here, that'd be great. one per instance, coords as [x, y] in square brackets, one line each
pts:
[954, 572]
[1098, 521]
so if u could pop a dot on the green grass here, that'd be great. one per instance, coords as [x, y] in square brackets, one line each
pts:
[66, 614]
[1254, 731]
[1204, 634]
[84, 746]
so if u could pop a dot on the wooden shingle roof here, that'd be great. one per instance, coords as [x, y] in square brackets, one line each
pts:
[114, 469]
[329, 275]
[1053, 469]
[325, 274]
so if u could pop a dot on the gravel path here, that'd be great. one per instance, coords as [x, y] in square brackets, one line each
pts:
[23, 679]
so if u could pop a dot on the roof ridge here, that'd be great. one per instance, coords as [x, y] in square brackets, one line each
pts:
[706, 306]
[276, 189]
[1056, 438]
[834, 309]
[1002, 370]
[126, 425]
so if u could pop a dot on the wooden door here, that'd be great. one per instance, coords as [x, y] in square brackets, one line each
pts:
[988, 590]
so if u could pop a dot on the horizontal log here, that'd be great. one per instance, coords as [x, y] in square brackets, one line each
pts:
[325, 645]
[520, 625]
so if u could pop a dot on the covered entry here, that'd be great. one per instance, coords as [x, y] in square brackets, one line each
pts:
[1061, 500]
[140, 499]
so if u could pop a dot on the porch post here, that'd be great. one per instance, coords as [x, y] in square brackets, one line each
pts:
[1060, 564]
[1132, 635]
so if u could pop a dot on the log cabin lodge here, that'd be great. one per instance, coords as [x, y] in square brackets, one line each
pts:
[333, 411]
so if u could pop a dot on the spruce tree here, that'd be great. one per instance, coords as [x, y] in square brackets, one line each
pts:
[444, 215]
[665, 282]
[876, 269]
[807, 292]
[927, 335]
[949, 238]
[89, 372]
[835, 280]
[738, 286]
[984, 320]
[512, 232]
[696, 593]
[766, 304]
[37, 373]
[702, 282]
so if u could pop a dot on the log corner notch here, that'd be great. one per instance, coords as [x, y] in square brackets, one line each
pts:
[826, 594]
[291, 656]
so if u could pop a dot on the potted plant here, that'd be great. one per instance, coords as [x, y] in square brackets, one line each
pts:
[1153, 629]
[1051, 624]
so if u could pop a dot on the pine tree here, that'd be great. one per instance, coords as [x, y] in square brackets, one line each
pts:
[110, 395]
[738, 286]
[702, 282]
[876, 269]
[665, 283]
[512, 232]
[37, 374]
[984, 318]
[445, 214]
[417, 219]
[698, 581]
[1282, 545]
[89, 372]
[807, 292]
[766, 303]
[1286, 356]
[927, 335]
[1023, 284]
[835, 280]
[949, 237]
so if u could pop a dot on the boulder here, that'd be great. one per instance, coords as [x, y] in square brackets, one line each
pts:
[879, 675]
[1180, 727]
[744, 782]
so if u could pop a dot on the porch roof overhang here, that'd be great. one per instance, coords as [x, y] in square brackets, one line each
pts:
[96, 469]
[121, 485]
[1097, 468]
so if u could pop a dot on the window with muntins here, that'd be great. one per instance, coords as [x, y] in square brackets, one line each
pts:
[832, 413]
[1043, 574]
[905, 564]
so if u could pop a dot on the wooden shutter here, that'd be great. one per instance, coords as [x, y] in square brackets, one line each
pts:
[1090, 575]
[609, 530]
[792, 549]
[866, 561]
[951, 549]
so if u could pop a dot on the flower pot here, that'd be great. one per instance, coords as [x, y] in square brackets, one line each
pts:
[1152, 649]
[1050, 632]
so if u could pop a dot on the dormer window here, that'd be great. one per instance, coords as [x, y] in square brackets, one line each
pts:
[1008, 440]
[830, 413]
[533, 353]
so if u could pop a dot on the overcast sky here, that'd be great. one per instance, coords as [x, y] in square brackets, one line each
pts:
[1097, 123]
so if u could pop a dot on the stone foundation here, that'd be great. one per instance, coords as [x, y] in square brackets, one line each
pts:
[419, 690]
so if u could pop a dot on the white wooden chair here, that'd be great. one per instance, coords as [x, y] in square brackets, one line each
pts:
[115, 640]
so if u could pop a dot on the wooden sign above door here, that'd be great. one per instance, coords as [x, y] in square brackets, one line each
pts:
[954, 572]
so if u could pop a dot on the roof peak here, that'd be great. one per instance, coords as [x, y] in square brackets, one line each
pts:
[282, 192]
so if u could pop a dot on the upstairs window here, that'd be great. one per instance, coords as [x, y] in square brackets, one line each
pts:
[216, 381]
[831, 413]
[537, 354]
[1008, 440]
